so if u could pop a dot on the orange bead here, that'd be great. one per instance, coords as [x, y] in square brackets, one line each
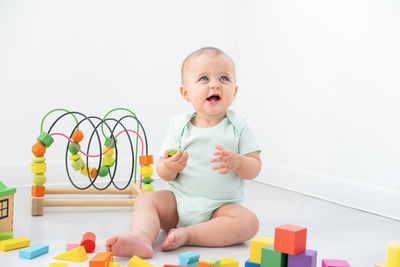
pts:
[146, 160]
[77, 136]
[93, 172]
[38, 191]
[38, 149]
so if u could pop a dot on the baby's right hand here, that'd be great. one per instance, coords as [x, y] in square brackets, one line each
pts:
[176, 162]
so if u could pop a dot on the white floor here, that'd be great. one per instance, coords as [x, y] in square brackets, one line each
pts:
[334, 231]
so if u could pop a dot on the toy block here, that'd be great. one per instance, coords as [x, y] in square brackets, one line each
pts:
[58, 264]
[89, 241]
[146, 171]
[290, 239]
[74, 150]
[6, 235]
[256, 244]
[37, 206]
[38, 167]
[307, 258]
[112, 264]
[393, 254]
[77, 254]
[39, 179]
[33, 251]
[78, 164]
[146, 160]
[334, 263]
[109, 153]
[135, 261]
[188, 257]
[45, 139]
[71, 244]
[77, 136]
[380, 264]
[248, 263]
[272, 258]
[39, 159]
[14, 243]
[170, 265]
[38, 149]
[37, 191]
[208, 262]
[101, 259]
[229, 262]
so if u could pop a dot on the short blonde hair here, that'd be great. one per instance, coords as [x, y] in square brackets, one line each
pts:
[205, 50]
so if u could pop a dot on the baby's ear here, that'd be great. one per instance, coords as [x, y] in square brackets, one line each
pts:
[184, 93]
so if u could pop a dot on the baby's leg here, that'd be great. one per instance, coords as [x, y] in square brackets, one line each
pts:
[152, 211]
[230, 224]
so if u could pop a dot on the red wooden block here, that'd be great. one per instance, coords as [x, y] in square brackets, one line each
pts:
[290, 239]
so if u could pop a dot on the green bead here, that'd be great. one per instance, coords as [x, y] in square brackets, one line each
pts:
[103, 171]
[147, 180]
[147, 188]
[39, 179]
[108, 161]
[108, 142]
[78, 164]
[73, 149]
[39, 159]
[172, 152]
[45, 138]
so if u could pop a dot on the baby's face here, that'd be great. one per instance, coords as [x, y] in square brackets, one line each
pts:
[209, 84]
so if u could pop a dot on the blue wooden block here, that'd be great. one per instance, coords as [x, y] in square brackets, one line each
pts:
[33, 251]
[188, 258]
[194, 264]
[248, 263]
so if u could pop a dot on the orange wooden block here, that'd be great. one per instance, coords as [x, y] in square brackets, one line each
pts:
[290, 239]
[101, 259]
[204, 264]
[38, 149]
[146, 160]
[37, 191]
[77, 136]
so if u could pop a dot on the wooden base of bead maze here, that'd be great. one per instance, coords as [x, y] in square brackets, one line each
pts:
[38, 203]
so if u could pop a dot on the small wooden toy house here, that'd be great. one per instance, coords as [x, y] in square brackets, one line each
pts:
[6, 208]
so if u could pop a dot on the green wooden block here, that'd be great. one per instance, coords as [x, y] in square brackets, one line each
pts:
[108, 142]
[78, 164]
[73, 149]
[214, 262]
[39, 179]
[6, 235]
[45, 138]
[103, 171]
[108, 161]
[39, 159]
[272, 258]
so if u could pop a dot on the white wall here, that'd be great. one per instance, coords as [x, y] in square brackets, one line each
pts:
[325, 83]
[318, 80]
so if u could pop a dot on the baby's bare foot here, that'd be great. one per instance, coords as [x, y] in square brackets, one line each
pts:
[127, 245]
[176, 238]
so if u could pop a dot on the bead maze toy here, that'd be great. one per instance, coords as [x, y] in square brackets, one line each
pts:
[104, 130]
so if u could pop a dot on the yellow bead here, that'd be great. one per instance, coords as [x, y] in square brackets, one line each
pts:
[147, 188]
[146, 171]
[78, 164]
[39, 179]
[38, 167]
[75, 157]
[84, 171]
[108, 161]
[109, 153]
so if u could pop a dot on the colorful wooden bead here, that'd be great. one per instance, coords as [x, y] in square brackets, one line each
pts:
[37, 191]
[108, 142]
[78, 164]
[75, 157]
[108, 161]
[84, 171]
[45, 138]
[146, 171]
[77, 136]
[38, 149]
[39, 159]
[39, 179]
[147, 188]
[93, 172]
[38, 167]
[147, 180]
[172, 152]
[145, 160]
[73, 149]
[103, 171]
[109, 153]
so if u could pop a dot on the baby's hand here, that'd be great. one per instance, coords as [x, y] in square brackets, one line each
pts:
[176, 162]
[230, 159]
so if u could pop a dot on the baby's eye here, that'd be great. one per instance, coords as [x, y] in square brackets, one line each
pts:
[203, 78]
[224, 78]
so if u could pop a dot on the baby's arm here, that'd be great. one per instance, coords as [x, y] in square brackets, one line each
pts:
[168, 167]
[247, 166]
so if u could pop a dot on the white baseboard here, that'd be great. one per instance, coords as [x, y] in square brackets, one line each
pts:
[370, 198]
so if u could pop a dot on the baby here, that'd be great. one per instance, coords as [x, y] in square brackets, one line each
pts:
[217, 151]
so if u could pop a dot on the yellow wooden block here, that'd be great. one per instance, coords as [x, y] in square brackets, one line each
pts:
[14, 243]
[75, 157]
[146, 171]
[109, 153]
[256, 244]
[77, 254]
[113, 264]
[393, 254]
[58, 264]
[228, 262]
[135, 261]
[38, 167]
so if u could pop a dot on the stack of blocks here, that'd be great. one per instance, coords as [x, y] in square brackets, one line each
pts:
[287, 249]
[188, 259]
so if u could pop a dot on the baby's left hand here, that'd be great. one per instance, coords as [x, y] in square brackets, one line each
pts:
[230, 159]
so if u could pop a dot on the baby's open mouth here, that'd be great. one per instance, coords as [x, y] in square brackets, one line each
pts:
[213, 98]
